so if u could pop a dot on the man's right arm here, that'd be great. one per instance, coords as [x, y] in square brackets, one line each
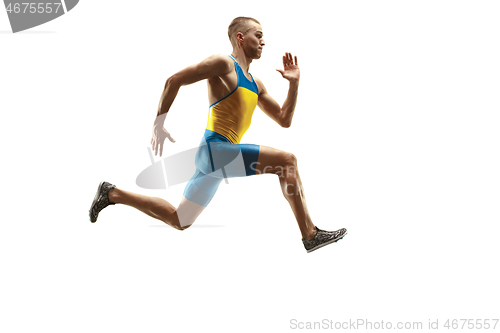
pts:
[216, 65]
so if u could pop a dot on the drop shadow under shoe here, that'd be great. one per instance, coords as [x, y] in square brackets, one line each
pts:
[323, 238]
[101, 200]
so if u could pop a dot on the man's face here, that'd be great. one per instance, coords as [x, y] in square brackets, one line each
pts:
[253, 41]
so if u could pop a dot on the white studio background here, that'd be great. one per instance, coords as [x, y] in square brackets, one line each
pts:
[395, 131]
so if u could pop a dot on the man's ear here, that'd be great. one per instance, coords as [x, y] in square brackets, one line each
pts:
[239, 36]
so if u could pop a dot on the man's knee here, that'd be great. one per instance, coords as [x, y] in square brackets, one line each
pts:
[173, 220]
[181, 228]
[182, 222]
[290, 160]
[288, 169]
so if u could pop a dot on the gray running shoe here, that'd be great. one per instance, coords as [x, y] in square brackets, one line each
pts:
[323, 238]
[101, 200]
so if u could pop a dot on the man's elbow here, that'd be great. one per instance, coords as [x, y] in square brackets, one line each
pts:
[173, 81]
[285, 119]
[286, 123]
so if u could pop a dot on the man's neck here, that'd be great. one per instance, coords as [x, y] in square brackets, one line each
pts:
[242, 60]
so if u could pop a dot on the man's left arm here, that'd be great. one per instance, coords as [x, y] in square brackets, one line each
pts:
[282, 114]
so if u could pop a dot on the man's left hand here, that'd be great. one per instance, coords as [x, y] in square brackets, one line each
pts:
[291, 70]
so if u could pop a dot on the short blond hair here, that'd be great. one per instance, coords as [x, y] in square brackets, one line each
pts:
[239, 24]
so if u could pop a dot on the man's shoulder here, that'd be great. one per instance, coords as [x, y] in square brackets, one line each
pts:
[257, 80]
[220, 58]
[260, 85]
[221, 63]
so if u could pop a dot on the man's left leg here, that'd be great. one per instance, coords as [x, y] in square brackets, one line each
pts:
[284, 165]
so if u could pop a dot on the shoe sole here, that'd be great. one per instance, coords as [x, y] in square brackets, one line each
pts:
[324, 244]
[95, 201]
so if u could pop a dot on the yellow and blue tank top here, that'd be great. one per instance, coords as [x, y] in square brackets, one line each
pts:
[231, 116]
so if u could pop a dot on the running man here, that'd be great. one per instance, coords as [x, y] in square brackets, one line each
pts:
[233, 95]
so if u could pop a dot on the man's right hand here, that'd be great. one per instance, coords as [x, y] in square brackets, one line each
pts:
[159, 135]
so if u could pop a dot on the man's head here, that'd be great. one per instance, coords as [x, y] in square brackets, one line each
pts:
[246, 33]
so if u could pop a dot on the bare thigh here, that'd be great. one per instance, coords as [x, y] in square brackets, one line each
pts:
[274, 161]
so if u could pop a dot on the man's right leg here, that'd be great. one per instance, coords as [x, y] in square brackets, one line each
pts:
[197, 195]
[179, 218]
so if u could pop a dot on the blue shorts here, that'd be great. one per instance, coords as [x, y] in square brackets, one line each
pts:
[216, 159]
